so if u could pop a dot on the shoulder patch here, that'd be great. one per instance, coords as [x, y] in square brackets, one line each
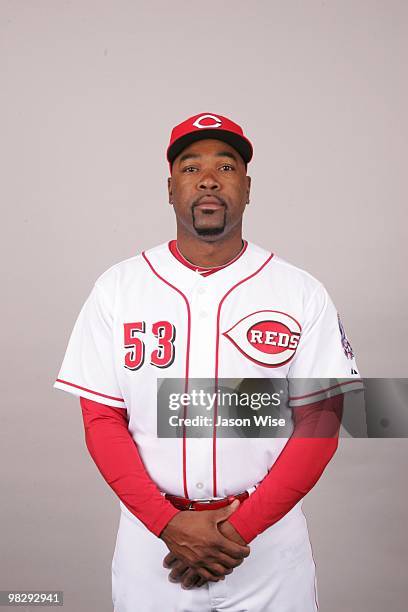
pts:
[348, 351]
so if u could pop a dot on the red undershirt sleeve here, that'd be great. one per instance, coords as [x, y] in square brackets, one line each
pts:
[116, 455]
[297, 469]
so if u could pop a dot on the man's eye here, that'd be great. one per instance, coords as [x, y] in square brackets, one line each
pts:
[227, 166]
[189, 169]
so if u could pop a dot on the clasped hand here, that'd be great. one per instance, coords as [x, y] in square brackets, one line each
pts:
[203, 546]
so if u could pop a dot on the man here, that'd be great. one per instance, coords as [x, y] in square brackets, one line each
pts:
[209, 305]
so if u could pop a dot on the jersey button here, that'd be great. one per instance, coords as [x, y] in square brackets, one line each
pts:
[201, 290]
[199, 485]
[203, 314]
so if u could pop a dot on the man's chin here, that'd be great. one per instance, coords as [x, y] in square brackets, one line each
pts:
[209, 231]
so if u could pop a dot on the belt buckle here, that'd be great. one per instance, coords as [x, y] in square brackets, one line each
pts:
[199, 501]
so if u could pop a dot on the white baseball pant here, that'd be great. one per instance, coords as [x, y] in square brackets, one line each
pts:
[278, 576]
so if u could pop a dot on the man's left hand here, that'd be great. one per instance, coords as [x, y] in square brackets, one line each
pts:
[180, 572]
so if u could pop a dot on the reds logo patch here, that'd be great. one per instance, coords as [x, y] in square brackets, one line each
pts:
[267, 337]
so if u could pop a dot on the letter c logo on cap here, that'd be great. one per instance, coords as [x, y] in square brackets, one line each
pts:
[217, 122]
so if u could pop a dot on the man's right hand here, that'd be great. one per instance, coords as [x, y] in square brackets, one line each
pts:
[193, 537]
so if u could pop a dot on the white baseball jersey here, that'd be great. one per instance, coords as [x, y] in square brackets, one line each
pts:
[151, 317]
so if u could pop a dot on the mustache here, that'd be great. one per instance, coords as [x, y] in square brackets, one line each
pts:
[197, 201]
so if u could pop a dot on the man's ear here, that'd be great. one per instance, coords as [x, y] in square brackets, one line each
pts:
[170, 190]
[248, 188]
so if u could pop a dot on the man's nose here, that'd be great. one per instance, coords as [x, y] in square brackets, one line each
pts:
[208, 180]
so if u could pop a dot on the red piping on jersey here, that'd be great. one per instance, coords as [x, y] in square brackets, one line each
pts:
[217, 345]
[65, 382]
[342, 384]
[187, 364]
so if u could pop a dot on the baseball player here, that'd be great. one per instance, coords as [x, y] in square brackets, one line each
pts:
[209, 523]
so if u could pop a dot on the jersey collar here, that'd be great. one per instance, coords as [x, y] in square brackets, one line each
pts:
[203, 271]
[186, 279]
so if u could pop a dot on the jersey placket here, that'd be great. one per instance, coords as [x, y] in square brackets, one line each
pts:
[203, 325]
[207, 298]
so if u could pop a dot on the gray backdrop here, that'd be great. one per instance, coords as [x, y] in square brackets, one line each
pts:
[90, 91]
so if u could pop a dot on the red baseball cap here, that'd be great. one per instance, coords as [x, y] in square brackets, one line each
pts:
[207, 125]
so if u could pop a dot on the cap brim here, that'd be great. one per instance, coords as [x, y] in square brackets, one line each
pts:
[240, 143]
